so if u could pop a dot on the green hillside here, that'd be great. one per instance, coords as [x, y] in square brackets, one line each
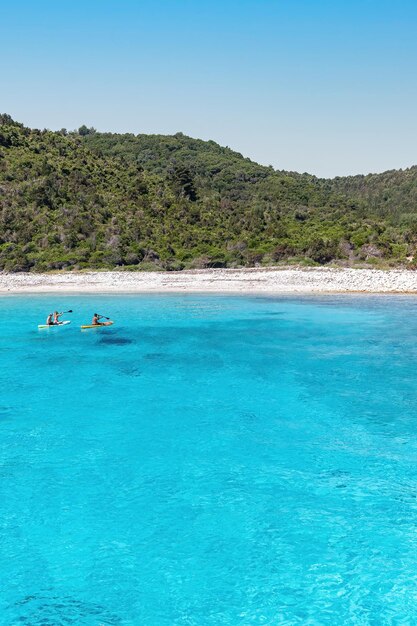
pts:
[392, 195]
[98, 200]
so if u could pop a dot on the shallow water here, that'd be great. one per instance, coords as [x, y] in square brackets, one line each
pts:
[209, 460]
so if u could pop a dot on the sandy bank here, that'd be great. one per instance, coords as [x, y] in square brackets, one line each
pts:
[257, 280]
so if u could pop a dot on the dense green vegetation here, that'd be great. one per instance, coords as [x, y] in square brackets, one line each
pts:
[98, 200]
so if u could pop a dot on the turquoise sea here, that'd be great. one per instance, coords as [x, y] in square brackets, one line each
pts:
[209, 460]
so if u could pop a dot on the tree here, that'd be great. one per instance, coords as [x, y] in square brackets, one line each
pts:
[183, 182]
[83, 130]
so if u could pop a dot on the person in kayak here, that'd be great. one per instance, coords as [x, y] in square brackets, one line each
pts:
[96, 320]
[49, 320]
[56, 317]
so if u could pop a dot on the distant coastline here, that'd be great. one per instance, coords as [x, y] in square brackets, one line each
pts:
[246, 281]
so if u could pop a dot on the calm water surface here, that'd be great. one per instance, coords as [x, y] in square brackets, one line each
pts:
[209, 461]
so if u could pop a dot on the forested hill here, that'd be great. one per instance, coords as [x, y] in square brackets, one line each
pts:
[97, 200]
[392, 194]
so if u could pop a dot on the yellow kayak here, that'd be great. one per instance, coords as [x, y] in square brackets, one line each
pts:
[109, 323]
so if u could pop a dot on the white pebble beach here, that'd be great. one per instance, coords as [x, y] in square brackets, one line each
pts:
[256, 280]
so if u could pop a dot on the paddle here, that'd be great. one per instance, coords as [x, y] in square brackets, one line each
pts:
[106, 318]
[70, 311]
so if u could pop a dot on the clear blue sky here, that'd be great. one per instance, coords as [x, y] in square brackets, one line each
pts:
[324, 86]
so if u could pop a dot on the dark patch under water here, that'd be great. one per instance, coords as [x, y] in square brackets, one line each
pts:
[129, 369]
[154, 356]
[54, 610]
[115, 341]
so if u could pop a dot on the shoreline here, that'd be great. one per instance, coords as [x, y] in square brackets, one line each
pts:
[266, 281]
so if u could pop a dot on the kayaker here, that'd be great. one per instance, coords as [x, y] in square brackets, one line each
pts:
[56, 317]
[96, 319]
[49, 320]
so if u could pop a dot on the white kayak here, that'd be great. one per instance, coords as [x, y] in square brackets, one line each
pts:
[64, 323]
